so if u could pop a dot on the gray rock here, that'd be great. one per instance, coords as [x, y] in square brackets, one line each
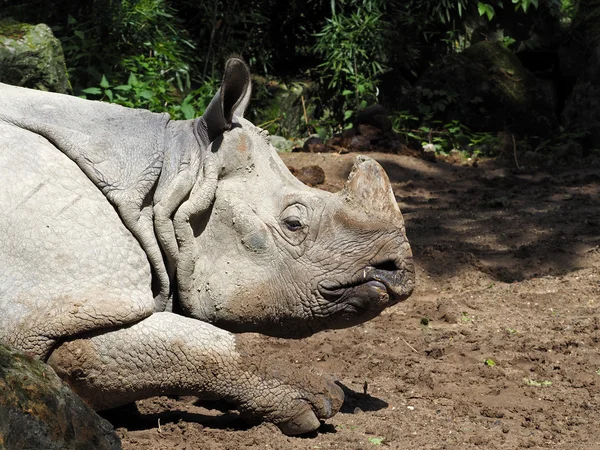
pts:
[31, 56]
[38, 411]
[487, 89]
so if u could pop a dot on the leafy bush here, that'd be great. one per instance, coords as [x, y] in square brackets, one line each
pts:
[149, 93]
[352, 47]
[156, 62]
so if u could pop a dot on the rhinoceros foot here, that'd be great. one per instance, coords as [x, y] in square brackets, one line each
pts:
[305, 397]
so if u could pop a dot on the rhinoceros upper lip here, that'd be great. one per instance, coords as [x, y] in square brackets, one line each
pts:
[390, 283]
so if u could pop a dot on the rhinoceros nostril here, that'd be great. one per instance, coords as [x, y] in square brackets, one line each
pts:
[387, 265]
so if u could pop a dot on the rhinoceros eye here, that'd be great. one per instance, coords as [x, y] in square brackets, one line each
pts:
[293, 224]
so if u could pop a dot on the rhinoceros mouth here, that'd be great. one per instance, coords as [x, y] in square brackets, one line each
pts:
[373, 289]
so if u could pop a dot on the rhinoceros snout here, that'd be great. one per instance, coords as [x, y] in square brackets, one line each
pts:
[375, 288]
[397, 276]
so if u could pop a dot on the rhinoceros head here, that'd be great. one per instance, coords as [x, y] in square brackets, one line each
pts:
[277, 257]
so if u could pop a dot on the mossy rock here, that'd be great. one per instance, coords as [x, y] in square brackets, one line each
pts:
[487, 89]
[32, 57]
[581, 40]
[38, 411]
[587, 22]
[581, 114]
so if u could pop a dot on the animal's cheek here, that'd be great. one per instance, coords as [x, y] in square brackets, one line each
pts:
[252, 232]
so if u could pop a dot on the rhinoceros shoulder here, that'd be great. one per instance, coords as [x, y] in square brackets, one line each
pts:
[68, 263]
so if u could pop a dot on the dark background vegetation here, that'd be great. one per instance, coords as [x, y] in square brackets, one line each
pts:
[166, 55]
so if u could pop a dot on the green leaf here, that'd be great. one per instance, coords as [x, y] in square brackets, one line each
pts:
[93, 90]
[188, 111]
[490, 362]
[123, 87]
[348, 114]
[147, 94]
[132, 80]
[486, 9]
[347, 92]
[109, 94]
[79, 34]
[376, 440]
[104, 82]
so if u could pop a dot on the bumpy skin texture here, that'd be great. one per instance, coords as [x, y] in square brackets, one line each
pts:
[114, 218]
[171, 354]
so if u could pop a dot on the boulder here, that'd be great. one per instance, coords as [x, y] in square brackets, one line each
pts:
[38, 411]
[32, 57]
[487, 89]
[581, 115]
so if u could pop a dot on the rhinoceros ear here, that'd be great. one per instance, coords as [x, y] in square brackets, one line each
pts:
[230, 100]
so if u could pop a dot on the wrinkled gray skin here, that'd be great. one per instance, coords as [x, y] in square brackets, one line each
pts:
[132, 246]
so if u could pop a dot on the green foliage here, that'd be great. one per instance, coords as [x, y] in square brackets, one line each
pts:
[222, 28]
[427, 24]
[154, 63]
[444, 137]
[351, 44]
[145, 90]
[485, 9]
[165, 54]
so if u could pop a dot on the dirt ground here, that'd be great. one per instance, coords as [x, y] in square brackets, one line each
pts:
[508, 272]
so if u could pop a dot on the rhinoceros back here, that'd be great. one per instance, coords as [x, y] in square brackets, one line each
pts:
[67, 263]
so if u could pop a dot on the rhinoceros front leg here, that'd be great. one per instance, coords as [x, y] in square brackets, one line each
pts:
[167, 354]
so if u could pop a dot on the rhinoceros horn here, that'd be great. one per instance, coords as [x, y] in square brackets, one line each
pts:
[369, 188]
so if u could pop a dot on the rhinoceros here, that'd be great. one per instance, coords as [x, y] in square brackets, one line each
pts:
[136, 250]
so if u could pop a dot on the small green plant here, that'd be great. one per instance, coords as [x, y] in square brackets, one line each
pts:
[466, 318]
[511, 331]
[490, 362]
[535, 383]
[598, 371]
[444, 136]
[376, 440]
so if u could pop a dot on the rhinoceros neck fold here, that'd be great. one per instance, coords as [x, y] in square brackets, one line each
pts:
[121, 151]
